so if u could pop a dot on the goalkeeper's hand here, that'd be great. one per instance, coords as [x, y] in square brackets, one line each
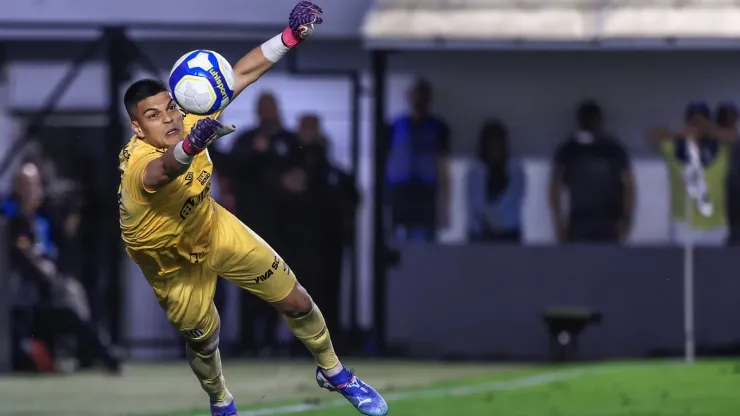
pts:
[301, 23]
[203, 134]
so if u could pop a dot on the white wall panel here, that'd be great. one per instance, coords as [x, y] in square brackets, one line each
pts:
[31, 83]
[652, 211]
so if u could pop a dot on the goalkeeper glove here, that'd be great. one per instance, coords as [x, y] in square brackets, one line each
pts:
[203, 134]
[301, 23]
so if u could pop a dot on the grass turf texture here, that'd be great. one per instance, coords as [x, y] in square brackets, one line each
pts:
[628, 389]
[708, 388]
[170, 388]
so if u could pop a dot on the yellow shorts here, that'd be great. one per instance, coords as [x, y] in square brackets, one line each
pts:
[239, 255]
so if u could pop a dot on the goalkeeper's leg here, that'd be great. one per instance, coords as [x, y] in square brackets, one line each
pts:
[241, 256]
[204, 358]
[308, 325]
[187, 299]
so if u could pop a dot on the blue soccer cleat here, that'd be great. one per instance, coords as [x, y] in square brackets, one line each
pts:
[229, 410]
[363, 397]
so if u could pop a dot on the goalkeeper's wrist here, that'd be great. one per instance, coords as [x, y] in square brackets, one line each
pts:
[277, 46]
[184, 152]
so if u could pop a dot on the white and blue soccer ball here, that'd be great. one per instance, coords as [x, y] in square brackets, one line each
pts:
[202, 82]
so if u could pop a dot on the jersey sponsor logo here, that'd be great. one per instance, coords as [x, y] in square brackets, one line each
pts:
[197, 257]
[126, 154]
[264, 276]
[268, 274]
[203, 177]
[194, 333]
[321, 333]
[189, 178]
[194, 201]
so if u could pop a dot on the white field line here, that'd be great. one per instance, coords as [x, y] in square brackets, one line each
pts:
[512, 384]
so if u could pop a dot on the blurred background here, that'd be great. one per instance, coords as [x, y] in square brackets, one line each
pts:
[470, 179]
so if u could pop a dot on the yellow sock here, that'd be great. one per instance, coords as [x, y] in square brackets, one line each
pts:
[311, 330]
[208, 371]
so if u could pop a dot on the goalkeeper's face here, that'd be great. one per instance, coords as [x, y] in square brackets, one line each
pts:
[159, 121]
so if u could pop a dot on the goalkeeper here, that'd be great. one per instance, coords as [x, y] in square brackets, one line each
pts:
[182, 239]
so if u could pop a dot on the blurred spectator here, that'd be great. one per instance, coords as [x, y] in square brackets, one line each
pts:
[301, 208]
[64, 205]
[417, 173]
[75, 212]
[48, 304]
[595, 171]
[727, 118]
[320, 217]
[255, 165]
[257, 168]
[726, 115]
[495, 188]
[697, 159]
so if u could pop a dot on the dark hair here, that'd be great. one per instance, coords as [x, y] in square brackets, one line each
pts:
[422, 85]
[588, 112]
[724, 114]
[697, 108]
[141, 90]
[492, 128]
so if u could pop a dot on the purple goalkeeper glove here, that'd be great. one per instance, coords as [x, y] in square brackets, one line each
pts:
[204, 132]
[301, 23]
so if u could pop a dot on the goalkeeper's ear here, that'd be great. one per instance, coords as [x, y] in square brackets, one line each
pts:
[137, 129]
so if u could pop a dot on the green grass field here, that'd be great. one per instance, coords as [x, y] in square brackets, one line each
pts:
[650, 388]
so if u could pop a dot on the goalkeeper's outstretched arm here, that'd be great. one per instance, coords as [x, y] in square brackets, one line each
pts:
[259, 60]
[249, 69]
[163, 170]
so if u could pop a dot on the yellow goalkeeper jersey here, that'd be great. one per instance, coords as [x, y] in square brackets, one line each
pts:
[171, 226]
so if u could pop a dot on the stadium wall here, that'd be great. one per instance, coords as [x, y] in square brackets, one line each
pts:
[482, 301]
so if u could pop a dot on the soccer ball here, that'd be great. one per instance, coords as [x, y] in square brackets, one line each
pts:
[202, 82]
